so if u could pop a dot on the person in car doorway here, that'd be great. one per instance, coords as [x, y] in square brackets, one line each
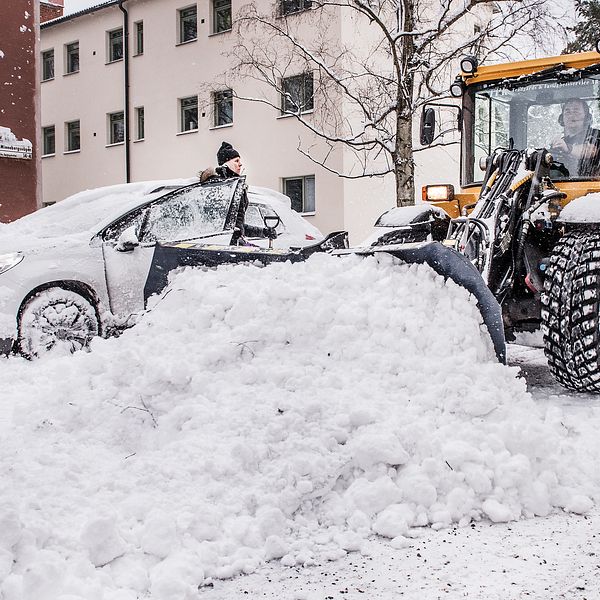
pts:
[579, 147]
[230, 165]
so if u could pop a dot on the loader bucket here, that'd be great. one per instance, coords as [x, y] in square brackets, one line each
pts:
[451, 265]
[170, 256]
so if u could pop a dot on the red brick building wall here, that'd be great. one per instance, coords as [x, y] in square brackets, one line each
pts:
[50, 10]
[19, 107]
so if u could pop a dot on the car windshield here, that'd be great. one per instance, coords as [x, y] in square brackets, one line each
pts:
[560, 113]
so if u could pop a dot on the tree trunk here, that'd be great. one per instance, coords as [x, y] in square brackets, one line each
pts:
[404, 166]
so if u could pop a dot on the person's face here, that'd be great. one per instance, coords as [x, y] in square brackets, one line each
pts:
[573, 117]
[235, 164]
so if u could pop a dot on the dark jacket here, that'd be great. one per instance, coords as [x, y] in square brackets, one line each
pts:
[241, 229]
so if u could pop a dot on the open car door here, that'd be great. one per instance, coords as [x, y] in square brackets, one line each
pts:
[196, 212]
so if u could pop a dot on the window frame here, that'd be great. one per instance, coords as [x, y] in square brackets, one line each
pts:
[285, 81]
[139, 111]
[68, 132]
[218, 7]
[181, 31]
[113, 120]
[46, 129]
[182, 111]
[219, 97]
[69, 54]
[110, 46]
[139, 38]
[292, 7]
[304, 179]
[49, 52]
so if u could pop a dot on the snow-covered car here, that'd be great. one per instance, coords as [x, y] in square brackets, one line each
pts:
[408, 224]
[77, 268]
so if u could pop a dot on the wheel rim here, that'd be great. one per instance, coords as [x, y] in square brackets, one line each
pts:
[61, 322]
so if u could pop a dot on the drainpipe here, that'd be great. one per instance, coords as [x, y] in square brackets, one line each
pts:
[126, 90]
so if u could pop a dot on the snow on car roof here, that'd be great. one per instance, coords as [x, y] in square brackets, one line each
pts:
[89, 209]
[94, 208]
[403, 215]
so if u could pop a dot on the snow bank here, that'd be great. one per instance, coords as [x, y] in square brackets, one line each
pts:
[282, 413]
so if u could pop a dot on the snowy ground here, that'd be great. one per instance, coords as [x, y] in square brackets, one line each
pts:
[254, 446]
[551, 558]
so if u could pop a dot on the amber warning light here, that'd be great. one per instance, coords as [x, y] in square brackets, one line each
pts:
[438, 193]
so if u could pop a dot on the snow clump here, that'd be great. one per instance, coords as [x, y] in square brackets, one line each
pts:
[281, 413]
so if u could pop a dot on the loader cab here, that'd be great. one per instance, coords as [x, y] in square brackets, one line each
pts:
[520, 105]
[533, 114]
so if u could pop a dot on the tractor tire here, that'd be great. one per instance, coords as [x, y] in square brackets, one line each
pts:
[571, 311]
[56, 318]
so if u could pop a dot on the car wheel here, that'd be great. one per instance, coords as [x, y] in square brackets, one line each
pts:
[56, 318]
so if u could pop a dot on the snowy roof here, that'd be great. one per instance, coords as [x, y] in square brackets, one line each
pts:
[79, 13]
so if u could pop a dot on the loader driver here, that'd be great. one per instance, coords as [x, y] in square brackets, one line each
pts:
[230, 165]
[579, 147]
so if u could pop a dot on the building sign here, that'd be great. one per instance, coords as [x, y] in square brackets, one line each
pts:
[11, 147]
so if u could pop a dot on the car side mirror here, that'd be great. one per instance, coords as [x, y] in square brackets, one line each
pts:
[427, 126]
[272, 221]
[128, 240]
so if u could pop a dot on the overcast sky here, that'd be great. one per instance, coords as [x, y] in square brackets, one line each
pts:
[75, 5]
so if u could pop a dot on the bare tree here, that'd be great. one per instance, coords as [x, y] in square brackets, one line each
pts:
[367, 83]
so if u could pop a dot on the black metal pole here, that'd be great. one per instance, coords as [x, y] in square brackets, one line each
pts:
[126, 94]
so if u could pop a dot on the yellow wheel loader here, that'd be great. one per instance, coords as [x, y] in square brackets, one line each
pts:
[527, 215]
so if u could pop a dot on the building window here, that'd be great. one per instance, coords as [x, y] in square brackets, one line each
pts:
[293, 6]
[297, 93]
[139, 37]
[223, 107]
[188, 113]
[221, 15]
[48, 140]
[72, 57]
[48, 65]
[116, 128]
[139, 123]
[115, 45]
[301, 191]
[188, 24]
[73, 138]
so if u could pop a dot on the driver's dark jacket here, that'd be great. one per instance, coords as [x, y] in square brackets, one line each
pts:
[588, 166]
[241, 228]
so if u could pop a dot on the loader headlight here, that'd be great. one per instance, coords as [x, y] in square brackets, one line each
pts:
[438, 193]
[8, 261]
[469, 64]
[458, 87]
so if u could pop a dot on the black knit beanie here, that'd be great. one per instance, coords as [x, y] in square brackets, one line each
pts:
[226, 152]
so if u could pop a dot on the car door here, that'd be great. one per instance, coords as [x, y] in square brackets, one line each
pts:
[196, 212]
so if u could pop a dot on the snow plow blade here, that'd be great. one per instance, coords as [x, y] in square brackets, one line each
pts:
[451, 265]
[168, 257]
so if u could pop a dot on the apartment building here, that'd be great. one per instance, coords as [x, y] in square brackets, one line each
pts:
[128, 94]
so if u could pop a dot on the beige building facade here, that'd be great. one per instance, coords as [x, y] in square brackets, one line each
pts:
[177, 118]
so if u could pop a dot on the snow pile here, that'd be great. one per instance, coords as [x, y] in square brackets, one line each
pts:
[282, 413]
[585, 209]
